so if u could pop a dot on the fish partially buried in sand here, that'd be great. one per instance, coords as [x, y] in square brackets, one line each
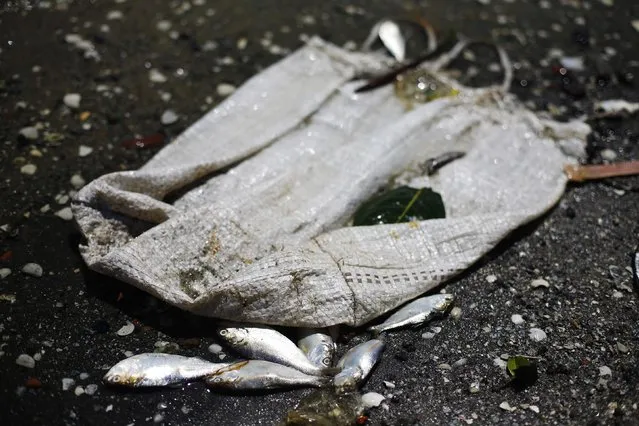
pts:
[265, 343]
[357, 363]
[416, 312]
[260, 375]
[156, 369]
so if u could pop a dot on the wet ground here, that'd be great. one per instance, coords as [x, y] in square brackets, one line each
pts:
[61, 327]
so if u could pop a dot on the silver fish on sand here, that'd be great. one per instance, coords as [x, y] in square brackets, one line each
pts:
[416, 312]
[357, 363]
[265, 343]
[318, 347]
[258, 375]
[156, 369]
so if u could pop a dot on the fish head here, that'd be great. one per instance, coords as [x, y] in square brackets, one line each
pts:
[124, 374]
[444, 302]
[227, 380]
[234, 336]
[348, 379]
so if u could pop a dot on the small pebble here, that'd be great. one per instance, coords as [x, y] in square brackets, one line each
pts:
[444, 366]
[65, 213]
[158, 418]
[428, 335]
[72, 100]
[26, 361]
[517, 319]
[534, 408]
[491, 279]
[156, 76]
[604, 370]
[372, 399]
[163, 25]
[537, 334]
[30, 133]
[84, 150]
[32, 269]
[4, 272]
[168, 117]
[389, 385]
[635, 24]
[84, 376]
[540, 282]
[91, 389]
[620, 346]
[79, 390]
[126, 330]
[37, 356]
[456, 313]
[28, 169]
[67, 383]
[460, 362]
[474, 387]
[608, 154]
[506, 406]
[114, 15]
[77, 181]
[225, 89]
[215, 348]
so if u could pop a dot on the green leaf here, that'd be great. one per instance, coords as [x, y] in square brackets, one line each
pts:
[517, 362]
[403, 204]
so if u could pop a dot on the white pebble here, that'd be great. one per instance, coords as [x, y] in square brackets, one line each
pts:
[32, 269]
[77, 181]
[163, 25]
[540, 282]
[608, 154]
[225, 89]
[84, 150]
[108, 408]
[491, 279]
[215, 348]
[156, 76]
[428, 335]
[91, 389]
[65, 213]
[37, 356]
[4, 272]
[456, 313]
[72, 100]
[79, 390]
[67, 383]
[506, 406]
[575, 63]
[534, 408]
[126, 330]
[30, 133]
[537, 334]
[113, 15]
[25, 360]
[168, 117]
[28, 169]
[635, 24]
[84, 376]
[389, 385]
[604, 370]
[517, 319]
[372, 399]
[158, 418]
[222, 355]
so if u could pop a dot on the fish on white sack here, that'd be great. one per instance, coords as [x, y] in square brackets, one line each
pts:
[262, 375]
[157, 369]
[266, 238]
[265, 343]
[416, 312]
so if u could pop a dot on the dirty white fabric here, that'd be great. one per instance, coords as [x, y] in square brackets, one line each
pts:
[245, 215]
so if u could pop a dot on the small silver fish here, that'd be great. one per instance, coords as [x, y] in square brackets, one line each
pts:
[416, 312]
[256, 375]
[265, 343]
[157, 369]
[357, 363]
[318, 347]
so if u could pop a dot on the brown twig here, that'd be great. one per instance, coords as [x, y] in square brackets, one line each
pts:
[577, 173]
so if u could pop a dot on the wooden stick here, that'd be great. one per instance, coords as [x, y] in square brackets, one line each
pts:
[577, 173]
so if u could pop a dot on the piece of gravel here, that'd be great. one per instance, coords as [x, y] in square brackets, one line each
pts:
[72, 100]
[537, 334]
[28, 169]
[26, 361]
[30, 133]
[372, 399]
[33, 269]
[65, 213]
[168, 117]
[225, 89]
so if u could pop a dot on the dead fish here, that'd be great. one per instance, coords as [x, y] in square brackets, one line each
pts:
[357, 363]
[416, 312]
[257, 375]
[265, 343]
[318, 347]
[157, 369]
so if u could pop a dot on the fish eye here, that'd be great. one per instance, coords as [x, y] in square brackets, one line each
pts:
[116, 378]
[326, 361]
[224, 332]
